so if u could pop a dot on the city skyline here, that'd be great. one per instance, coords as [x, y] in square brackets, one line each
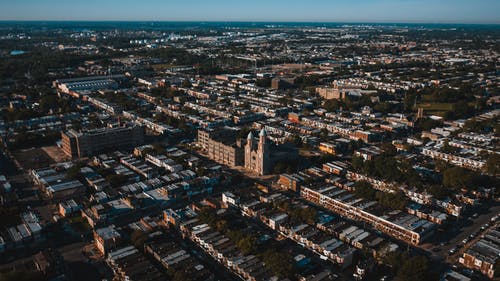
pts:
[376, 11]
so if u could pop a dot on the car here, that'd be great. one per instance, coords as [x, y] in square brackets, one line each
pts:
[452, 251]
[465, 240]
[475, 215]
[443, 244]
[467, 272]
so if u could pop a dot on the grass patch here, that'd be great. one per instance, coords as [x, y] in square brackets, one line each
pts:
[436, 106]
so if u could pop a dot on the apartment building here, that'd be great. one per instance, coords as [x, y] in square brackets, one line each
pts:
[91, 142]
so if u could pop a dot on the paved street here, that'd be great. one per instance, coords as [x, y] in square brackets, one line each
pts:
[441, 252]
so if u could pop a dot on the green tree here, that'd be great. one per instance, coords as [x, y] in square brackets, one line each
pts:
[186, 83]
[357, 163]
[279, 263]
[74, 172]
[333, 105]
[492, 166]
[117, 180]
[395, 200]
[364, 189]
[414, 269]
[457, 177]
[246, 244]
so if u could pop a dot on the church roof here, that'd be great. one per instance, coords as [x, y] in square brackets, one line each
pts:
[263, 133]
[250, 135]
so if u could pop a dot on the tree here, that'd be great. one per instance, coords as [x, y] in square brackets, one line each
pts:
[395, 200]
[438, 191]
[357, 163]
[246, 244]
[301, 215]
[221, 226]
[456, 178]
[333, 105]
[389, 149]
[408, 268]
[492, 166]
[186, 83]
[73, 172]
[117, 180]
[426, 124]
[414, 269]
[177, 274]
[394, 259]
[364, 189]
[279, 263]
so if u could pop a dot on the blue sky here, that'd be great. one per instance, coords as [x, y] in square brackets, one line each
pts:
[429, 11]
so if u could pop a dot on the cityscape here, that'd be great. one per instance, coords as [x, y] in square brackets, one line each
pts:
[242, 147]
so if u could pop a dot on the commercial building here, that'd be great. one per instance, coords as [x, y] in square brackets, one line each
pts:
[87, 83]
[92, 142]
[55, 185]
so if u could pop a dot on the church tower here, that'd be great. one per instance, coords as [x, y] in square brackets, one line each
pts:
[257, 155]
[248, 151]
[263, 153]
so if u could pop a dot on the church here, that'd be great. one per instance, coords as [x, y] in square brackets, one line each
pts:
[255, 154]
[261, 154]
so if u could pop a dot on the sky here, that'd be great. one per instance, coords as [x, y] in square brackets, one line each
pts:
[407, 11]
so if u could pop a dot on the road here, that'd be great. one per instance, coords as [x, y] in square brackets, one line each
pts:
[458, 234]
[454, 258]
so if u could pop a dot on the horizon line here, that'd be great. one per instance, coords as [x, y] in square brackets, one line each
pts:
[253, 21]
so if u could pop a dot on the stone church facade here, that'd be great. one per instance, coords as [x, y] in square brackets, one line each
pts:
[257, 154]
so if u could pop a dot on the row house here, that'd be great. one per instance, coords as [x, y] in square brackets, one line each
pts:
[225, 252]
[138, 166]
[484, 254]
[460, 161]
[405, 227]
